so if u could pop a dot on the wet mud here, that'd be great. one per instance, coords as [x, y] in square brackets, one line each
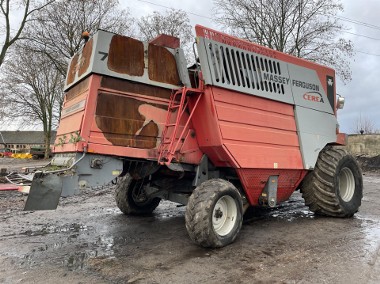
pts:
[88, 240]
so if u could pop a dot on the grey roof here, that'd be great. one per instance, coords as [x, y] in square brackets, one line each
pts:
[24, 137]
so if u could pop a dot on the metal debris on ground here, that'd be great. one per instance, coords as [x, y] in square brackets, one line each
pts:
[20, 179]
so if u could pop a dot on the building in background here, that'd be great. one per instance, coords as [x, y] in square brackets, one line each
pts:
[22, 141]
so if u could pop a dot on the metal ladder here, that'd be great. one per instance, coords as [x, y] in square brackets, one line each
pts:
[171, 135]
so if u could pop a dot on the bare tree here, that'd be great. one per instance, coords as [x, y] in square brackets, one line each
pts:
[33, 92]
[12, 32]
[57, 30]
[365, 125]
[304, 28]
[33, 80]
[172, 22]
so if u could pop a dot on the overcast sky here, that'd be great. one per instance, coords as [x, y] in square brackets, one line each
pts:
[362, 93]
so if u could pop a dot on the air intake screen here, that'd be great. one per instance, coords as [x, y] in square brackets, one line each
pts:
[233, 67]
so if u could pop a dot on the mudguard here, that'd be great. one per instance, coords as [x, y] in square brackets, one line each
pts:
[44, 192]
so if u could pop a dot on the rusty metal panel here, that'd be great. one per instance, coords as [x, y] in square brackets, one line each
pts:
[77, 90]
[162, 66]
[126, 56]
[166, 41]
[129, 122]
[135, 87]
[86, 58]
[72, 69]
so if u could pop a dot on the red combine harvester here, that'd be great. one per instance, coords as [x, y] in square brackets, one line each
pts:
[244, 126]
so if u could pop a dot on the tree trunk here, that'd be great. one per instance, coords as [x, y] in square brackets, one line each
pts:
[47, 144]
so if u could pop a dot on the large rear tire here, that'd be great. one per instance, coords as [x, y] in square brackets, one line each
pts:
[335, 187]
[214, 213]
[131, 198]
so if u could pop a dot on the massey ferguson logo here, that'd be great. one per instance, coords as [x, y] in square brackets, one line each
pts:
[313, 97]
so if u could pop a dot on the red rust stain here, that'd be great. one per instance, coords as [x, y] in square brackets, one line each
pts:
[72, 70]
[167, 41]
[162, 66]
[126, 56]
[86, 58]
[77, 90]
[122, 123]
[145, 137]
[135, 87]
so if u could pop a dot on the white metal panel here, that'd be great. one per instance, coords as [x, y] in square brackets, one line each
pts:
[315, 130]
[245, 71]
[307, 89]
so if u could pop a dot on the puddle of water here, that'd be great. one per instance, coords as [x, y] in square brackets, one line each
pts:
[290, 211]
[76, 261]
[371, 233]
[79, 260]
[73, 230]
[292, 215]
[50, 229]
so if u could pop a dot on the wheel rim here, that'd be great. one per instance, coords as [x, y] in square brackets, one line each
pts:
[224, 215]
[346, 184]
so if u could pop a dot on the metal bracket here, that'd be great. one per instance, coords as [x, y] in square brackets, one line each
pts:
[201, 173]
[269, 195]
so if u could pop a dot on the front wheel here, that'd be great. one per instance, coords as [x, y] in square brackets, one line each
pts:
[335, 187]
[131, 197]
[214, 213]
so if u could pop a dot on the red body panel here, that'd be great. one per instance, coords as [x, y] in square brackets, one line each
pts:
[237, 120]
[84, 121]
[256, 133]
[254, 181]
[256, 136]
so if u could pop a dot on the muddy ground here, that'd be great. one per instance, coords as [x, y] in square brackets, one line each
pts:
[88, 240]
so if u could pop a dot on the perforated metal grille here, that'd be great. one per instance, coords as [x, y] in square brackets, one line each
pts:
[234, 67]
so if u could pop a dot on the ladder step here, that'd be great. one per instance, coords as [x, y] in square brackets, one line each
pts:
[167, 142]
[170, 139]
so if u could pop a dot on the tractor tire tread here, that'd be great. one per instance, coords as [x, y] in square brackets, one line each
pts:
[198, 222]
[320, 191]
[125, 203]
